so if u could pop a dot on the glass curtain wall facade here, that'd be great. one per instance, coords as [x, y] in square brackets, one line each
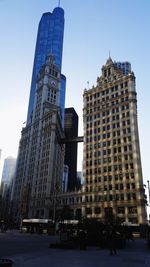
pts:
[125, 67]
[49, 41]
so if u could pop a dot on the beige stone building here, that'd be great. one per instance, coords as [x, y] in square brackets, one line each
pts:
[113, 183]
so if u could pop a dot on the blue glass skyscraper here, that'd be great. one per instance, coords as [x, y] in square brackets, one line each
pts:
[125, 67]
[49, 40]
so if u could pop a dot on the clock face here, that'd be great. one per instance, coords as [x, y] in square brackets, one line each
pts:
[53, 82]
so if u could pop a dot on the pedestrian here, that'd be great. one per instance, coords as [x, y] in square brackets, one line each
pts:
[82, 237]
[112, 241]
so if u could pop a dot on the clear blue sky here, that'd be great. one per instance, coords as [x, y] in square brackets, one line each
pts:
[92, 29]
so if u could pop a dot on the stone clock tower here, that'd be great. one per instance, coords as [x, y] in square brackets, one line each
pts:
[38, 178]
[48, 84]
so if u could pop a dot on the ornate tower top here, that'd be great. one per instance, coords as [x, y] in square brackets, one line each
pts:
[50, 58]
[109, 61]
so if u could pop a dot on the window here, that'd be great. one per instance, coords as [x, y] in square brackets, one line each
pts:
[105, 170]
[97, 210]
[109, 168]
[88, 211]
[116, 177]
[125, 148]
[110, 187]
[105, 187]
[109, 151]
[115, 150]
[121, 186]
[115, 158]
[134, 196]
[115, 167]
[121, 210]
[110, 177]
[129, 196]
[119, 149]
[132, 210]
[126, 166]
[131, 165]
[122, 196]
[104, 152]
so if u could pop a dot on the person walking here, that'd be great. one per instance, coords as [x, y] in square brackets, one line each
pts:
[82, 239]
[112, 241]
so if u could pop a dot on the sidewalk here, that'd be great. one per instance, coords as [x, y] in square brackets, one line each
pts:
[136, 254]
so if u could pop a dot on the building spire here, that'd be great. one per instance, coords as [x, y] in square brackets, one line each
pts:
[58, 3]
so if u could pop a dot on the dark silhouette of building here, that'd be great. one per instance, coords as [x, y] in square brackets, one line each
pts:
[71, 132]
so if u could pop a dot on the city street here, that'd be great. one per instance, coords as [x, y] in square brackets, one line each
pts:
[27, 250]
[14, 242]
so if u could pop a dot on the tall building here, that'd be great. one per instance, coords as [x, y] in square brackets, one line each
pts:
[112, 169]
[49, 40]
[125, 67]
[8, 173]
[38, 178]
[71, 132]
[65, 179]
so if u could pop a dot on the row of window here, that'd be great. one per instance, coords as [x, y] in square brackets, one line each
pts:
[108, 160]
[114, 150]
[108, 127]
[107, 91]
[109, 98]
[108, 119]
[106, 187]
[116, 177]
[114, 142]
[111, 197]
[106, 103]
[120, 210]
[116, 168]
[110, 168]
[107, 113]
[98, 137]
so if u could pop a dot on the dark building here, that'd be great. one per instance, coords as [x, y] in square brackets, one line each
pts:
[71, 133]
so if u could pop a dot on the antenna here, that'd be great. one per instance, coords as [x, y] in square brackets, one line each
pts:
[59, 3]
[88, 85]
